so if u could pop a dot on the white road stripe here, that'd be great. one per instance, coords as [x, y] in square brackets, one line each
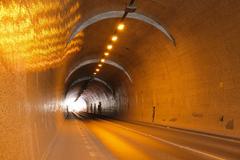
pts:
[49, 148]
[194, 133]
[169, 142]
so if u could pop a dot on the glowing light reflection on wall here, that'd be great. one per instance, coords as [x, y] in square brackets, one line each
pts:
[33, 34]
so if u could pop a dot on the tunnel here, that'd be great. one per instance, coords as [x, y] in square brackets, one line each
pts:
[119, 79]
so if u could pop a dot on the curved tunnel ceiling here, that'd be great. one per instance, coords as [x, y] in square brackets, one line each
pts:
[111, 15]
[118, 14]
[92, 61]
[84, 60]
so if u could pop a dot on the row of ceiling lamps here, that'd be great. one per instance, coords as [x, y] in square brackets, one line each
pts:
[109, 47]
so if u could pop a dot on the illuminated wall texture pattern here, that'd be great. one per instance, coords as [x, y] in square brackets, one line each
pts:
[33, 34]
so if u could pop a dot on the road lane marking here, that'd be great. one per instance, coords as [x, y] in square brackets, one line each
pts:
[190, 132]
[50, 147]
[168, 142]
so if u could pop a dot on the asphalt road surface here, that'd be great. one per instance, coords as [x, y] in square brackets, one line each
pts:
[84, 137]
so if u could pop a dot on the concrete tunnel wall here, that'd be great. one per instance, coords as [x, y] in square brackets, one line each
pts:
[28, 121]
[33, 37]
[194, 85]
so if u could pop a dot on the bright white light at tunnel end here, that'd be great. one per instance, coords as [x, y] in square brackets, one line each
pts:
[75, 106]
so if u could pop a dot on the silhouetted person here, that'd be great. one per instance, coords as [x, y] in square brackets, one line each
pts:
[95, 109]
[91, 108]
[99, 108]
[153, 114]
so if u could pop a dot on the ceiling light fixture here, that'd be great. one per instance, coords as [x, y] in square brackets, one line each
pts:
[106, 54]
[114, 38]
[109, 47]
[121, 27]
[102, 60]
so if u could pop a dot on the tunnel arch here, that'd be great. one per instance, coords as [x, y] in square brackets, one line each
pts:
[118, 14]
[94, 79]
[92, 61]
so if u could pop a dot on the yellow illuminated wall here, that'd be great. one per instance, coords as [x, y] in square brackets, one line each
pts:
[33, 34]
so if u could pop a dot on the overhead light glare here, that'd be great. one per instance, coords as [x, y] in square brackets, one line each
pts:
[114, 38]
[102, 60]
[97, 69]
[99, 65]
[106, 54]
[109, 47]
[121, 27]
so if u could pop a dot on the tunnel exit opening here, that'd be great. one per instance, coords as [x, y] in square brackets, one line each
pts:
[73, 105]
